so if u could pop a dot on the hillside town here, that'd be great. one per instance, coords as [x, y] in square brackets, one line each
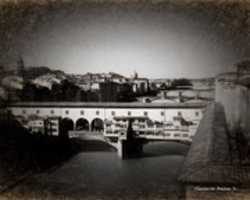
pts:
[44, 84]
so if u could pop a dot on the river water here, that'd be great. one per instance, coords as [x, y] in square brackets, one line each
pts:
[103, 175]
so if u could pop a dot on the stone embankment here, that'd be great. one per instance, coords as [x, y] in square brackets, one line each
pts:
[209, 171]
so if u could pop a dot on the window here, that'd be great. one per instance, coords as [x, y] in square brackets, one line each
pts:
[162, 113]
[97, 112]
[37, 111]
[113, 113]
[66, 112]
[179, 114]
[82, 112]
[52, 112]
[197, 114]
[129, 113]
[24, 111]
[145, 113]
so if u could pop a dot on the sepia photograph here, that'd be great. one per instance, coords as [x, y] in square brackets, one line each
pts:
[124, 99]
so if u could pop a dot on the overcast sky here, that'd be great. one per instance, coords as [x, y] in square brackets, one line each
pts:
[155, 42]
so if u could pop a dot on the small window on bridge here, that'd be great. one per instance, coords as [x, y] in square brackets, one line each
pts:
[24, 111]
[179, 114]
[162, 113]
[52, 112]
[66, 112]
[97, 112]
[145, 113]
[113, 113]
[82, 112]
[129, 113]
[197, 114]
[37, 111]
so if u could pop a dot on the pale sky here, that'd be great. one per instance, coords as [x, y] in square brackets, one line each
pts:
[157, 43]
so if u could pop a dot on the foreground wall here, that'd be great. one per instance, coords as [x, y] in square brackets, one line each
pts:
[207, 172]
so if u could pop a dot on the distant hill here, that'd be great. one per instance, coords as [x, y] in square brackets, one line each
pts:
[47, 80]
[40, 76]
[34, 72]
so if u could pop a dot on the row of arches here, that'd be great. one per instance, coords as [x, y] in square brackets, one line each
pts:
[67, 124]
[96, 124]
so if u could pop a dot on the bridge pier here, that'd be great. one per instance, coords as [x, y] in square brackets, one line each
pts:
[127, 148]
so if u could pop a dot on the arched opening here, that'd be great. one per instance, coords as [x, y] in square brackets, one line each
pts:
[97, 125]
[82, 124]
[66, 125]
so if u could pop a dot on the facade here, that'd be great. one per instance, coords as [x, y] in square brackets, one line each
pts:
[52, 125]
[142, 127]
[36, 126]
[41, 125]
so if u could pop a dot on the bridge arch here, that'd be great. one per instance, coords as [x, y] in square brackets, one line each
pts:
[97, 124]
[66, 125]
[82, 124]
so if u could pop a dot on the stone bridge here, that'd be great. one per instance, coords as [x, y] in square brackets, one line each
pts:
[91, 116]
